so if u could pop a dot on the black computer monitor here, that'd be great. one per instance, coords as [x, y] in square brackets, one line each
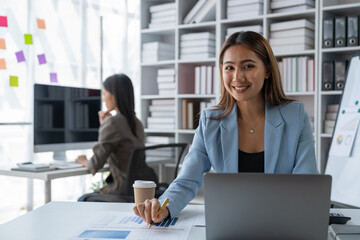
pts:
[65, 118]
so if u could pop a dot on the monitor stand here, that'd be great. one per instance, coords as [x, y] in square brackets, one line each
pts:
[59, 155]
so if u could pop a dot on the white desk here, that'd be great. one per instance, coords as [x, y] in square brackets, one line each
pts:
[48, 176]
[60, 220]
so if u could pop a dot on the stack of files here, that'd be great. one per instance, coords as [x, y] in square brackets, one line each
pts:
[253, 28]
[166, 81]
[162, 152]
[162, 114]
[241, 9]
[162, 15]
[297, 74]
[330, 118]
[197, 45]
[204, 79]
[203, 10]
[282, 6]
[157, 51]
[290, 36]
[190, 109]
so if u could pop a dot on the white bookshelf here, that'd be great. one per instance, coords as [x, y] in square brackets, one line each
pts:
[315, 101]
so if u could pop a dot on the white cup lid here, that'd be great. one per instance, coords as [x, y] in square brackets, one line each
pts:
[144, 184]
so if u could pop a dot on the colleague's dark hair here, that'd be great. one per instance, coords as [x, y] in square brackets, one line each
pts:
[272, 89]
[120, 86]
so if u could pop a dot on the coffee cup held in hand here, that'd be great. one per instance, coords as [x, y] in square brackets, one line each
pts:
[143, 190]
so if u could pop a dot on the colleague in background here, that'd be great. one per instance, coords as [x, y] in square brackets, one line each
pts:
[118, 135]
[254, 128]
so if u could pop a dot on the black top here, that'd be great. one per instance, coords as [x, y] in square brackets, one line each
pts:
[251, 162]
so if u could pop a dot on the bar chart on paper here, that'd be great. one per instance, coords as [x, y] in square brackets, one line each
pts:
[122, 225]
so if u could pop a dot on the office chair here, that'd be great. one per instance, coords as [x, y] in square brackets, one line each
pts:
[137, 158]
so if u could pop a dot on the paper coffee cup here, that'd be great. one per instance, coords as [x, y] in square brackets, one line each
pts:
[143, 190]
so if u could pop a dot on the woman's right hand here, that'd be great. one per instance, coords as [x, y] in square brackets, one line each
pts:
[148, 211]
[103, 115]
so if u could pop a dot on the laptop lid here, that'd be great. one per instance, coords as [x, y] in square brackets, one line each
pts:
[267, 206]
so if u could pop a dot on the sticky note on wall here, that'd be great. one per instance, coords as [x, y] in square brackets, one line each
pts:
[14, 81]
[40, 23]
[53, 77]
[3, 21]
[2, 43]
[2, 63]
[41, 58]
[28, 39]
[20, 56]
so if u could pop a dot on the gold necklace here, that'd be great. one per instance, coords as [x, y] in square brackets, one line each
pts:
[251, 131]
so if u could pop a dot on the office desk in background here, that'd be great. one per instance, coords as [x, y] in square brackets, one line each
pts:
[47, 176]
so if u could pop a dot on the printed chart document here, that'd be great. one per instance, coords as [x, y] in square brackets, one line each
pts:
[125, 225]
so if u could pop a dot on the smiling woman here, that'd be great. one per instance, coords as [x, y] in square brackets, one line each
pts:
[254, 128]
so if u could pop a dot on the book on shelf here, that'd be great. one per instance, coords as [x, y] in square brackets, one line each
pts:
[291, 3]
[333, 108]
[194, 10]
[293, 9]
[161, 125]
[199, 42]
[196, 36]
[166, 72]
[163, 114]
[197, 80]
[245, 8]
[206, 13]
[160, 108]
[160, 14]
[162, 7]
[163, 102]
[209, 79]
[166, 85]
[299, 23]
[291, 48]
[158, 45]
[160, 120]
[233, 3]
[164, 19]
[203, 71]
[161, 25]
[293, 32]
[198, 49]
[160, 139]
[311, 75]
[291, 41]
[245, 15]
[165, 79]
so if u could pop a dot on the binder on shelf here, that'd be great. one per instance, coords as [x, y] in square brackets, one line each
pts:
[328, 33]
[340, 31]
[340, 70]
[190, 16]
[352, 30]
[328, 76]
[206, 13]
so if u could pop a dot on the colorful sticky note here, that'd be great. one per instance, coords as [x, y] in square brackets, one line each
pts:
[53, 77]
[42, 59]
[28, 39]
[2, 43]
[14, 81]
[2, 63]
[3, 21]
[20, 56]
[40, 23]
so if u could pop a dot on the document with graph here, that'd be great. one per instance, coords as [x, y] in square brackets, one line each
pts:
[125, 225]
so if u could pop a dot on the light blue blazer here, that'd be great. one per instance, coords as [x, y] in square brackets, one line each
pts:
[289, 148]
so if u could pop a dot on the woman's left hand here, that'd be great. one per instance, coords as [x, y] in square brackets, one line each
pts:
[82, 159]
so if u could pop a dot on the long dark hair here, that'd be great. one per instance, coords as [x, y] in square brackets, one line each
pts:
[120, 86]
[272, 89]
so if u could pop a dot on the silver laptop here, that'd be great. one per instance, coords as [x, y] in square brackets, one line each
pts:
[267, 206]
